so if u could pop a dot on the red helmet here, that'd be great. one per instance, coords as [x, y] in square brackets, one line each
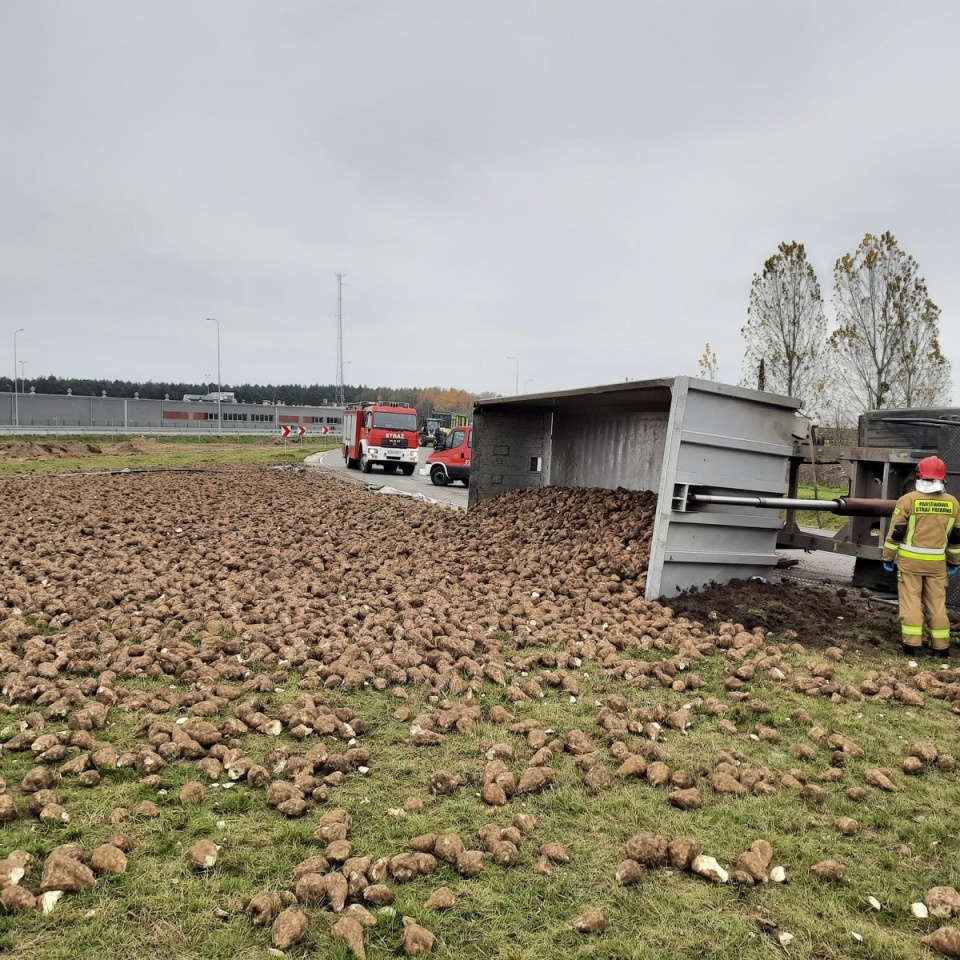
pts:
[931, 468]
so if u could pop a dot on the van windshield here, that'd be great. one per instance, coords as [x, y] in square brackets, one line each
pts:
[395, 421]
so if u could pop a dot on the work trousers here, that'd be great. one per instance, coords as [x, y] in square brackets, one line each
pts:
[923, 598]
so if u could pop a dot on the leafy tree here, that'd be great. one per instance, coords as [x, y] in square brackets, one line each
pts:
[887, 339]
[786, 329]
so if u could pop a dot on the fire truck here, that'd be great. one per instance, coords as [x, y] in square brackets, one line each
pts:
[383, 433]
[451, 460]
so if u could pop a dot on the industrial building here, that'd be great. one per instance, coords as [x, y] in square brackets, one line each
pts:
[32, 412]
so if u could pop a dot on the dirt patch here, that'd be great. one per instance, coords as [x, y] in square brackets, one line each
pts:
[67, 450]
[137, 445]
[816, 616]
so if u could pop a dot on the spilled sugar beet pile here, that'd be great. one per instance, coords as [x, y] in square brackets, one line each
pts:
[210, 614]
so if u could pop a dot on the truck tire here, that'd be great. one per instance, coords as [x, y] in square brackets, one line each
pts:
[438, 476]
[407, 469]
[365, 465]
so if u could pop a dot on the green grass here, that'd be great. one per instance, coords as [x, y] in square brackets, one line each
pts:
[820, 518]
[177, 452]
[160, 907]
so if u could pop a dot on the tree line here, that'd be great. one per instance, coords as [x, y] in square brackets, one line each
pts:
[426, 400]
[883, 351]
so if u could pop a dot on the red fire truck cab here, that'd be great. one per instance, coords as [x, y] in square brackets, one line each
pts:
[451, 461]
[384, 433]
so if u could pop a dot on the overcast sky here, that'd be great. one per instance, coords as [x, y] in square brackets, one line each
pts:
[588, 187]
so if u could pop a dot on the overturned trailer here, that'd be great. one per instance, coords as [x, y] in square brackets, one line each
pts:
[724, 462]
[673, 436]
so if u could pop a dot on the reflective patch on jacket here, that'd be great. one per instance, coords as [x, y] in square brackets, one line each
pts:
[933, 506]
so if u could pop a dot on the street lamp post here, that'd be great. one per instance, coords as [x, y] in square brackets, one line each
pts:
[517, 387]
[16, 401]
[23, 379]
[219, 382]
[525, 382]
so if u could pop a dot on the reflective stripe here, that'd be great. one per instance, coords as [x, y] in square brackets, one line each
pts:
[890, 545]
[940, 634]
[914, 553]
[912, 631]
[908, 550]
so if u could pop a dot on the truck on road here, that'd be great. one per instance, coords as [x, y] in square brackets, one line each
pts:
[380, 433]
[451, 460]
[443, 422]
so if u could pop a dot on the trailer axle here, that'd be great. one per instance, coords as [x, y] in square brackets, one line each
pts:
[843, 506]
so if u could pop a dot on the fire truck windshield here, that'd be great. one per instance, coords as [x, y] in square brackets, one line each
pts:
[395, 421]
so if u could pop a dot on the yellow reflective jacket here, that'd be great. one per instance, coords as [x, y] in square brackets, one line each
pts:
[923, 536]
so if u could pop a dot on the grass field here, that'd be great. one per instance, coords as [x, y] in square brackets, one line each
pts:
[820, 518]
[904, 842]
[170, 452]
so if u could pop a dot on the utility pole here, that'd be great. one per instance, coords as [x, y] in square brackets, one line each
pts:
[16, 398]
[340, 339]
[219, 381]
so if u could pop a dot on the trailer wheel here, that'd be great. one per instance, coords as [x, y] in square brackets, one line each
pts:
[365, 465]
[438, 476]
[406, 469]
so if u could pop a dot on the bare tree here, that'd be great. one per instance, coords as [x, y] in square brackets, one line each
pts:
[786, 330]
[887, 339]
[708, 364]
[925, 373]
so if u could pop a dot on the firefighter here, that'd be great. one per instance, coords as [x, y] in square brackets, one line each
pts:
[923, 546]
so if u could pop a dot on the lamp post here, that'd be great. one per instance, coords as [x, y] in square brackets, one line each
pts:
[206, 382]
[16, 401]
[517, 387]
[525, 382]
[219, 384]
[23, 379]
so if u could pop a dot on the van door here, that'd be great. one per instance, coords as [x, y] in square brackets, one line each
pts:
[457, 453]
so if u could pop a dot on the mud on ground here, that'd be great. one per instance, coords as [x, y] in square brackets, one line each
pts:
[814, 615]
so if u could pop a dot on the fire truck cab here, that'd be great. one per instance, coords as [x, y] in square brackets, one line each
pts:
[380, 433]
[451, 461]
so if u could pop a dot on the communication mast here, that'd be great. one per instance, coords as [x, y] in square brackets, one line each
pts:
[340, 339]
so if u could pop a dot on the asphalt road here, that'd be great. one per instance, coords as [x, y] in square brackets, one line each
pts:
[454, 495]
